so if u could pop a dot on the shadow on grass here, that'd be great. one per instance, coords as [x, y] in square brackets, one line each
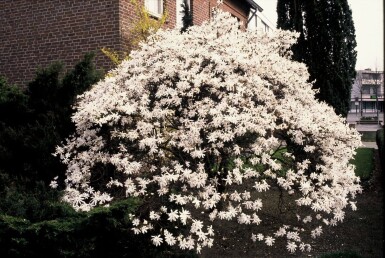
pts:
[344, 254]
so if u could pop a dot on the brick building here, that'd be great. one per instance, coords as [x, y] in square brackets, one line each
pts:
[35, 33]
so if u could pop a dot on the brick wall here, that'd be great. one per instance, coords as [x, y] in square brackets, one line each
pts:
[36, 33]
[170, 8]
[239, 9]
[201, 10]
[128, 15]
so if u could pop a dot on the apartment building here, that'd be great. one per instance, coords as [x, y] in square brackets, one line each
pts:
[36, 33]
[367, 94]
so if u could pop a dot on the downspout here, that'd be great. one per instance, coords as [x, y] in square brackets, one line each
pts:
[209, 10]
[192, 10]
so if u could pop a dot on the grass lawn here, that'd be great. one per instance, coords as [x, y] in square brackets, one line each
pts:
[361, 234]
[364, 163]
[368, 136]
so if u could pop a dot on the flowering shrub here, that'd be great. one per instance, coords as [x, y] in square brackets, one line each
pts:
[199, 125]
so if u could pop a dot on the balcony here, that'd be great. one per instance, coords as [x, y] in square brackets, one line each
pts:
[371, 82]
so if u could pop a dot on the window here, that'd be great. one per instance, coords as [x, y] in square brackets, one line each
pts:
[154, 7]
[371, 76]
[365, 90]
[265, 27]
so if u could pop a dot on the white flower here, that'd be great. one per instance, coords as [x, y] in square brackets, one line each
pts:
[136, 231]
[199, 248]
[210, 231]
[269, 241]
[253, 237]
[261, 186]
[198, 153]
[281, 232]
[154, 215]
[135, 222]
[339, 215]
[291, 247]
[353, 205]
[169, 238]
[173, 215]
[244, 219]
[53, 184]
[302, 247]
[213, 214]
[196, 226]
[156, 240]
[307, 219]
[256, 220]
[260, 237]
[163, 209]
[316, 232]
[184, 215]
[293, 235]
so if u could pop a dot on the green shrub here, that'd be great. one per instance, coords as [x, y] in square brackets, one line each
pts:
[33, 223]
[52, 96]
[34, 201]
[369, 118]
[32, 123]
[103, 232]
[14, 114]
[40, 119]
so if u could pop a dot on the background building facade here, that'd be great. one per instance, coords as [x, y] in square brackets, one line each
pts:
[367, 94]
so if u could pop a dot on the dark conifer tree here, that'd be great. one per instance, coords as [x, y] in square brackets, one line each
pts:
[326, 44]
[187, 18]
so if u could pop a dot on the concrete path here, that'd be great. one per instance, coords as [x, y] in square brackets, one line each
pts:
[353, 118]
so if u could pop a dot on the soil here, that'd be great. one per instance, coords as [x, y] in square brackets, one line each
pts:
[360, 233]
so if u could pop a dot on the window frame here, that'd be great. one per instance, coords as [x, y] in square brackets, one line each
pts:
[154, 7]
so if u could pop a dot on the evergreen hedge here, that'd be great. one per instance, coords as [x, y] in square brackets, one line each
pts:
[380, 144]
[33, 221]
[102, 232]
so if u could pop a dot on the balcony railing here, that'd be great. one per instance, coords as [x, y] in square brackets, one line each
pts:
[371, 82]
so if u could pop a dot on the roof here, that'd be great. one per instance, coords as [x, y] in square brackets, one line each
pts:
[254, 5]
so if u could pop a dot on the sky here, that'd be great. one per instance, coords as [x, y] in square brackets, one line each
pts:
[368, 18]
